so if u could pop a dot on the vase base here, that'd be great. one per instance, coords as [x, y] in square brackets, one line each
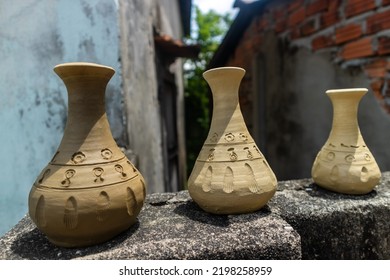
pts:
[231, 204]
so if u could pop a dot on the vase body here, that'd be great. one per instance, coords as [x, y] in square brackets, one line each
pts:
[345, 164]
[90, 191]
[230, 175]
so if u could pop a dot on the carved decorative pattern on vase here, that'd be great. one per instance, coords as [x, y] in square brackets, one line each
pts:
[102, 205]
[253, 185]
[55, 155]
[334, 174]
[349, 158]
[243, 137]
[68, 175]
[257, 150]
[248, 153]
[232, 154]
[132, 166]
[40, 215]
[330, 156]
[211, 155]
[106, 153]
[131, 201]
[70, 213]
[206, 185]
[78, 157]
[44, 175]
[98, 172]
[119, 169]
[229, 137]
[364, 174]
[228, 180]
[214, 138]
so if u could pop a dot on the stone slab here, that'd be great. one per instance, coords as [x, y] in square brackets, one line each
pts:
[171, 226]
[336, 226]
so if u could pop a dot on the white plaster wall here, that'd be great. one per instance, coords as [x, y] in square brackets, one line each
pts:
[138, 20]
[35, 35]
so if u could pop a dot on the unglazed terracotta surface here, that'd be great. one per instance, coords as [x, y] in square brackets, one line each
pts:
[231, 175]
[345, 164]
[90, 191]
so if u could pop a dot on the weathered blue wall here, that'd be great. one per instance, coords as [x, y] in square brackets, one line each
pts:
[34, 37]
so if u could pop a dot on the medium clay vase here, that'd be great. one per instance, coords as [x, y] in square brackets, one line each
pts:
[345, 164]
[230, 175]
[90, 191]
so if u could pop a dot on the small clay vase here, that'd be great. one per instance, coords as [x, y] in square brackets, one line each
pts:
[90, 191]
[230, 175]
[345, 164]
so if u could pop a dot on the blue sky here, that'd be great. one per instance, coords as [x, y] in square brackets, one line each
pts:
[220, 6]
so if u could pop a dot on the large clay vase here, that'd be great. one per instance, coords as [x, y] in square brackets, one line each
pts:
[345, 164]
[90, 191]
[230, 175]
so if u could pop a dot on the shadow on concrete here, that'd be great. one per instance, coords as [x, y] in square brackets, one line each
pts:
[315, 190]
[193, 212]
[34, 245]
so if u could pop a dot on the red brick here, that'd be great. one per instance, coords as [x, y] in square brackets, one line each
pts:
[383, 45]
[377, 86]
[295, 5]
[262, 24]
[328, 19]
[257, 40]
[355, 7]
[348, 33]
[385, 2]
[279, 13]
[295, 34]
[378, 22]
[376, 69]
[280, 25]
[308, 28]
[322, 42]
[297, 17]
[316, 6]
[334, 5]
[358, 49]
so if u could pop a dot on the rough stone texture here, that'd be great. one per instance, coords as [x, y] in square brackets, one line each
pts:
[337, 226]
[171, 226]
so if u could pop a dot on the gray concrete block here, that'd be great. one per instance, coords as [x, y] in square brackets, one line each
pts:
[171, 226]
[336, 226]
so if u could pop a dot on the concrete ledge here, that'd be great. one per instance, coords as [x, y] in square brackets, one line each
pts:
[301, 220]
[336, 226]
[171, 226]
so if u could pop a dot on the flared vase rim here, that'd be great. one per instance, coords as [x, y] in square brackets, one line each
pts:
[227, 68]
[68, 69]
[82, 64]
[346, 90]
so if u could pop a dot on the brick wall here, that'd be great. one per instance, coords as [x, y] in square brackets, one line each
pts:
[357, 32]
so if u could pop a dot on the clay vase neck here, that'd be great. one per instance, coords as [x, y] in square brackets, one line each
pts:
[345, 120]
[87, 116]
[227, 114]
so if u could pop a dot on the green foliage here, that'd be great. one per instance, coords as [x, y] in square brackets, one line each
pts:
[208, 32]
